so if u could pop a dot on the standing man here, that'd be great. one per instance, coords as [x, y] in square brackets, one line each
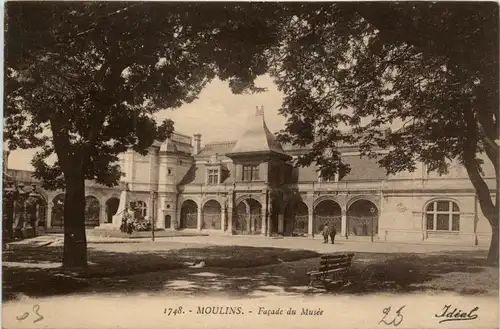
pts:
[326, 232]
[332, 232]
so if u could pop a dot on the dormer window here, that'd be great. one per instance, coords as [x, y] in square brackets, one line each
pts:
[250, 173]
[325, 179]
[213, 176]
[331, 179]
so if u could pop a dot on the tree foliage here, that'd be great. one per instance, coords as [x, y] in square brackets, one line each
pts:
[432, 67]
[93, 75]
[83, 81]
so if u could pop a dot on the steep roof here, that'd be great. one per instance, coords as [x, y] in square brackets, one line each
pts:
[169, 146]
[220, 148]
[176, 143]
[257, 138]
[363, 168]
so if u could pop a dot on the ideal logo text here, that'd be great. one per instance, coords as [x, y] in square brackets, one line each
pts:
[450, 313]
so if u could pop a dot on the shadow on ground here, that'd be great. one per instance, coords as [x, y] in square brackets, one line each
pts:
[239, 271]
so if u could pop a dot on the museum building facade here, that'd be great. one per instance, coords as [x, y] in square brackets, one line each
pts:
[249, 186]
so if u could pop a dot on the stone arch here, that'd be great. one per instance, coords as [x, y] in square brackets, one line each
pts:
[296, 217]
[189, 214]
[362, 218]
[111, 208]
[189, 198]
[248, 219]
[92, 211]
[372, 199]
[36, 209]
[248, 197]
[327, 211]
[221, 200]
[57, 215]
[211, 214]
[327, 197]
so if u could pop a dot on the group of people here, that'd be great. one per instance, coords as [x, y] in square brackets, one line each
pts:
[127, 222]
[329, 231]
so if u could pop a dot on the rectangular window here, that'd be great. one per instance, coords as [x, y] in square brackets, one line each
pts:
[455, 224]
[443, 206]
[247, 173]
[213, 176]
[443, 222]
[255, 172]
[250, 173]
[430, 221]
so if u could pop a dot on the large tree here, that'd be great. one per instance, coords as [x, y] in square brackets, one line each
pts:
[431, 66]
[84, 79]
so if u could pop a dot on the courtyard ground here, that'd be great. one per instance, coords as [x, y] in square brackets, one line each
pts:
[238, 268]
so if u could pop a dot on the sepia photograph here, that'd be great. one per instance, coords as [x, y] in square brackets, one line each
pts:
[249, 164]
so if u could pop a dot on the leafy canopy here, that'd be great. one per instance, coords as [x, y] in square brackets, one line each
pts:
[430, 67]
[83, 80]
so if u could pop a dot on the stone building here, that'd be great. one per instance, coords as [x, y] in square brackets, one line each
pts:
[248, 186]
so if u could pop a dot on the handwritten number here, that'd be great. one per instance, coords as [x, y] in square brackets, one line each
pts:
[386, 311]
[397, 319]
[36, 309]
[22, 317]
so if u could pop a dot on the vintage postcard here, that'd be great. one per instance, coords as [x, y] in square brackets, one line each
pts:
[250, 164]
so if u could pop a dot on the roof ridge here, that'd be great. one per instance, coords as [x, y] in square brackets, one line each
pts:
[221, 142]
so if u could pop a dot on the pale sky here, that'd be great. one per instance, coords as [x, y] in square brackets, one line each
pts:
[217, 114]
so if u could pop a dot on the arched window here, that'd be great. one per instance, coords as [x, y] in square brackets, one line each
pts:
[443, 215]
[142, 207]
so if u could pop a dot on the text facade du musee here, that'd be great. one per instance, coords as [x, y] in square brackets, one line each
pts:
[261, 311]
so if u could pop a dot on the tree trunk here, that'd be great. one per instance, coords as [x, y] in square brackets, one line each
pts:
[9, 220]
[75, 242]
[493, 253]
[488, 207]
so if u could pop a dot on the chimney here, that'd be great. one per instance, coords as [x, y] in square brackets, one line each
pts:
[196, 143]
[259, 112]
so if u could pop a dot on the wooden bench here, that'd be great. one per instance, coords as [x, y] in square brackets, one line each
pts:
[332, 270]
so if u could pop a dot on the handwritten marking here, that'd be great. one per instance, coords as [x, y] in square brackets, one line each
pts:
[23, 317]
[36, 309]
[397, 319]
[456, 314]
